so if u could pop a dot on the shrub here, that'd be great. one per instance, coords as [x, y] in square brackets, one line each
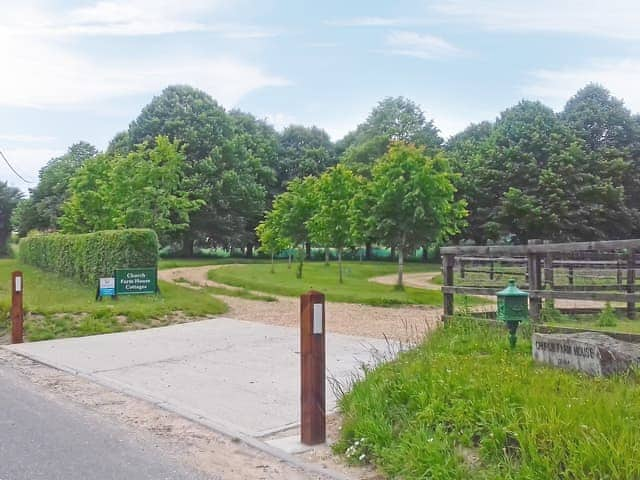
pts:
[90, 256]
[608, 317]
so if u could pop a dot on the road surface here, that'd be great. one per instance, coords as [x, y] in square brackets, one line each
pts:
[43, 438]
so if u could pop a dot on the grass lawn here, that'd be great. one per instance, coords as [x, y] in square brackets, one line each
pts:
[591, 322]
[462, 405]
[356, 287]
[58, 307]
[167, 263]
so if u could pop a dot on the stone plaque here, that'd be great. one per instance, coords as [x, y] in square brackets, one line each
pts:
[589, 352]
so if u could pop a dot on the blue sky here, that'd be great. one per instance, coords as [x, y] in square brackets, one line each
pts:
[82, 70]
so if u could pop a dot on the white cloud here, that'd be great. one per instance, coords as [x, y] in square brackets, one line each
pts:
[368, 22]
[280, 120]
[555, 87]
[419, 45]
[43, 71]
[612, 18]
[25, 138]
[44, 75]
[128, 18]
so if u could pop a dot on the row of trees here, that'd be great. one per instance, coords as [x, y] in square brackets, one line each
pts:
[533, 173]
[406, 200]
[573, 175]
[216, 174]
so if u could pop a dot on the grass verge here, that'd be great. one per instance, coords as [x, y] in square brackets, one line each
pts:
[356, 287]
[462, 405]
[59, 307]
[229, 292]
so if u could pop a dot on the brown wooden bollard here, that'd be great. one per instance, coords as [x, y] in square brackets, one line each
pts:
[17, 313]
[312, 367]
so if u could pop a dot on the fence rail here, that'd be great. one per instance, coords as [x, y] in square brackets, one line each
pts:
[544, 266]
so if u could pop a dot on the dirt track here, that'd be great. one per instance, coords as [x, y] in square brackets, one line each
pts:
[406, 323]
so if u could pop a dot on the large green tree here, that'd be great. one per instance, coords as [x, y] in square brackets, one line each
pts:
[394, 119]
[411, 200]
[9, 198]
[532, 177]
[200, 126]
[43, 208]
[612, 136]
[304, 151]
[140, 189]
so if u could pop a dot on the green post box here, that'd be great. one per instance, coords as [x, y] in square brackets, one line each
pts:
[513, 308]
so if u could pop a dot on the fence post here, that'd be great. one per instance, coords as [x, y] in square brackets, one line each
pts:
[17, 312]
[548, 273]
[491, 270]
[618, 273]
[570, 275]
[631, 280]
[448, 261]
[461, 267]
[312, 368]
[535, 281]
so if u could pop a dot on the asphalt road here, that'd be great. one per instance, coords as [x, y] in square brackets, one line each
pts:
[43, 438]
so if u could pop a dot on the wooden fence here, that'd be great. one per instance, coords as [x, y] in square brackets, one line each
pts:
[602, 271]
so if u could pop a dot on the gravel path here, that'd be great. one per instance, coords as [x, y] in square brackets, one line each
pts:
[406, 323]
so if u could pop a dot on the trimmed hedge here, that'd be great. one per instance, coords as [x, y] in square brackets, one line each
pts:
[90, 256]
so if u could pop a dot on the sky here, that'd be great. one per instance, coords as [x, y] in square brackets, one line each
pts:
[82, 70]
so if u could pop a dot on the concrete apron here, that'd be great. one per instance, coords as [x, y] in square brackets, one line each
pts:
[240, 378]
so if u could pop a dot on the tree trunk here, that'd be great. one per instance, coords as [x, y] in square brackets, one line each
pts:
[289, 264]
[368, 250]
[326, 256]
[187, 244]
[340, 263]
[249, 252]
[273, 268]
[401, 248]
[400, 266]
[392, 255]
[300, 262]
[307, 247]
[425, 254]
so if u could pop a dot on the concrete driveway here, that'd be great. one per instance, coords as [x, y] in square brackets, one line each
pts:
[241, 376]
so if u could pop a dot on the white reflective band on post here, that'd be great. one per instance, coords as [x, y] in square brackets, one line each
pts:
[18, 284]
[317, 318]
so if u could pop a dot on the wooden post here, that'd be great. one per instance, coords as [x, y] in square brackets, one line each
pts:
[17, 313]
[618, 273]
[312, 368]
[447, 280]
[535, 281]
[548, 274]
[570, 275]
[461, 267]
[491, 270]
[631, 280]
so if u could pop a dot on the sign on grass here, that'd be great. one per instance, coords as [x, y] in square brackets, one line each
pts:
[131, 281]
[107, 287]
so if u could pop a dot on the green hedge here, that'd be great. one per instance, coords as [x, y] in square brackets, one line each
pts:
[90, 256]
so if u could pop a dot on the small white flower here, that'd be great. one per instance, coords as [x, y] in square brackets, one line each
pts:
[362, 457]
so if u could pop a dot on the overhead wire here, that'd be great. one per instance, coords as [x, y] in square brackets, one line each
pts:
[13, 169]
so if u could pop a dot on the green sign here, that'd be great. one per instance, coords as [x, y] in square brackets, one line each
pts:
[132, 281]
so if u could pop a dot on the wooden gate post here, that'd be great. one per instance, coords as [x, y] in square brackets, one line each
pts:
[631, 280]
[312, 368]
[17, 313]
[535, 281]
[448, 262]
